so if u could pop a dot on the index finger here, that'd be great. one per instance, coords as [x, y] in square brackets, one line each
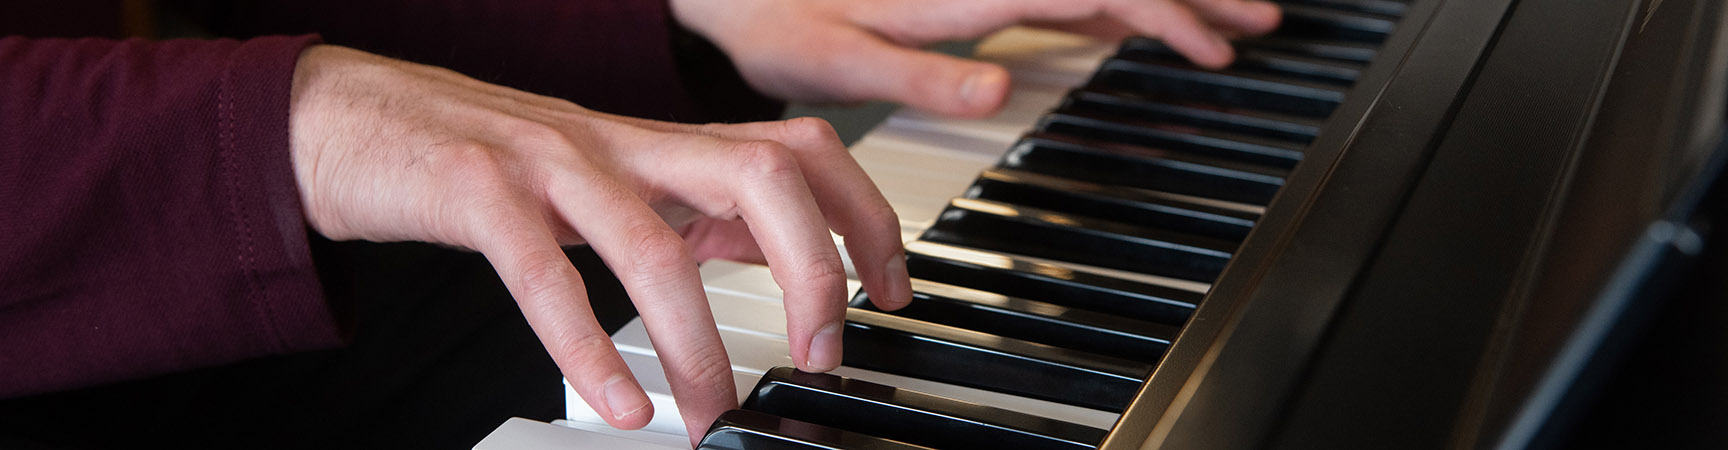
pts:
[660, 276]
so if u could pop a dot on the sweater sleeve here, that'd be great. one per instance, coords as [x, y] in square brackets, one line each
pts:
[148, 216]
[620, 56]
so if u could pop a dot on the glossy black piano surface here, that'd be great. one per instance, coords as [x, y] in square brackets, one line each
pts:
[1388, 225]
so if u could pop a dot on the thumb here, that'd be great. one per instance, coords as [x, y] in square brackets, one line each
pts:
[931, 82]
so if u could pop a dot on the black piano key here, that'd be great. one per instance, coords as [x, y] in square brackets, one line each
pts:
[1310, 22]
[1221, 145]
[750, 430]
[1033, 321]
[1303, 67]
[1145, 168]
[911, 417]
[918, 349]
[1176, 212]
[1256, 60]
[1048, 283]
[1127, 105]
[1318, 48]
[1382, 7]
[1046, 234]
[1224, 88]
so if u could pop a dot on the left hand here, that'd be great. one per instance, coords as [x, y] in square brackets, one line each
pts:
[860, 50]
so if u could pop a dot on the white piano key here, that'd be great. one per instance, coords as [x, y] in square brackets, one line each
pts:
[523, 434]
[918, 178]
[899, 162]
[1027, 100]
[1044, 56]
[738, 278]
[748, 315]
[982, 146]
[680, 440]
[750, 352]
[652, 377]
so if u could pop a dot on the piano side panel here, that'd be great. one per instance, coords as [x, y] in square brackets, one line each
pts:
[1654, 151]
[1417, 333]
[1223, 383]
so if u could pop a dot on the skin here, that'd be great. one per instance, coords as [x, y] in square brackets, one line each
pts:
[386, 150]
[852, 50]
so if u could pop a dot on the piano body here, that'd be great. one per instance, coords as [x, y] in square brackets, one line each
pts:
[1390, 224]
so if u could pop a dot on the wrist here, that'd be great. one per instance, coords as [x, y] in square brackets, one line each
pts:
[308, 135]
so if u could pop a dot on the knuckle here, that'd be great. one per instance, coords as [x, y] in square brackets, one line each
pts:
[657, 252]
[819, 271]
[545, 278]
[488, 209]
[583, 350]
[808, 133]
[882, 217]
[702, 366]
[764, 159]
[483, 192]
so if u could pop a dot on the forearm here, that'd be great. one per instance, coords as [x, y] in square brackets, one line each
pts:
[150, 218]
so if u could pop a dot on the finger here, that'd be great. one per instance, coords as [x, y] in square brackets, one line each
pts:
[658, 273]
[942, 84]
[1179, 28]
[1248, 17]
[769, 192]
[851, 204]
[555, 303]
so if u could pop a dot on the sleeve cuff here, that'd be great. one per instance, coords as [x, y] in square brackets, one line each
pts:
[264, 206]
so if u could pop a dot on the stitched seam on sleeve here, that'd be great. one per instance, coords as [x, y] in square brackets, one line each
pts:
[246, 245]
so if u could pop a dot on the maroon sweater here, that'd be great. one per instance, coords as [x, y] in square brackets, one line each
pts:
[148, 218]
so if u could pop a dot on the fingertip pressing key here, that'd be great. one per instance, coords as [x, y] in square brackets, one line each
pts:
[898, 283]
[825, 350]
[625, 398]
[984, 89]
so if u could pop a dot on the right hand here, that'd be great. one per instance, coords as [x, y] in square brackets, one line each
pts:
[853, 50]
[386, 150]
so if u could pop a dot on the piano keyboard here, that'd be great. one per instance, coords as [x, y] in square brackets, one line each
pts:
[1048, 291]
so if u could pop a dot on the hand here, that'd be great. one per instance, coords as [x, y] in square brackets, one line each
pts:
[386, 150]
[856, 50]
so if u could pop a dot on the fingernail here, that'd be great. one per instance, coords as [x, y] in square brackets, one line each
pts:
[825, 349]
[979, 88]
[899, 284]
[624, 397]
